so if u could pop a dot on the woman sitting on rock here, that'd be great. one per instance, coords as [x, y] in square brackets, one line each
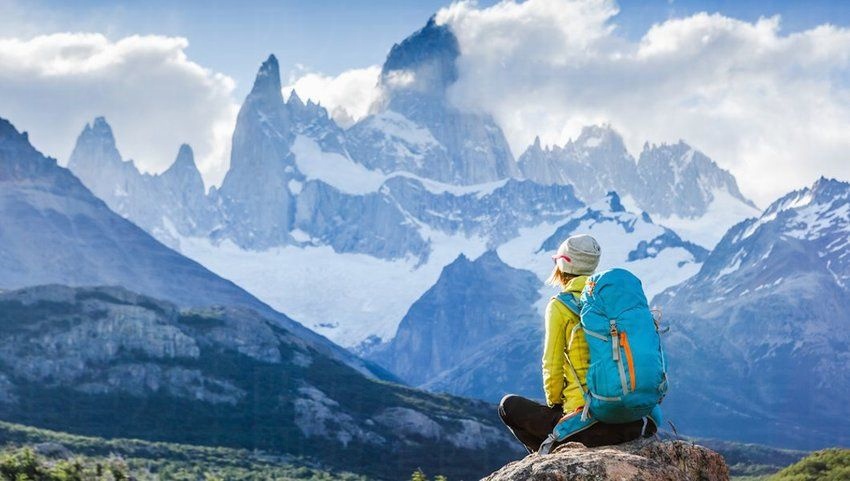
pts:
[531, 422]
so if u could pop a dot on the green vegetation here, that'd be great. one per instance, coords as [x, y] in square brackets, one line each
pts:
[24, 465]
[262, 418]
[418, 475]
[30, 454]
[827, 465]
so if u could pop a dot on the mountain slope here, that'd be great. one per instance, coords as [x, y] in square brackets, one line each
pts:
[478, 331]
[216, 367]
[397, 230]
[769, 305]
[472, 302]
[54, 231]
[110, 363]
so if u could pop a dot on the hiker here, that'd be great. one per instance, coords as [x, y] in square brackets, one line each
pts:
[531, 422]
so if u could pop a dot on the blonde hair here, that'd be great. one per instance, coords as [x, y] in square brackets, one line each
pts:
[559, 278]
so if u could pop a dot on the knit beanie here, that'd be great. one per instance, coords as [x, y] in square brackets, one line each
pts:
[578, 255]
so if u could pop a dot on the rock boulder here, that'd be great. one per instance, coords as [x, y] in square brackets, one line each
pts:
[642, 460]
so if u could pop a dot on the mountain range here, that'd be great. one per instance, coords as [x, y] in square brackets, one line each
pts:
[393, 198]
[478, 331]
[189, 356]
[415, 239]
[762, 324]
[755, 346]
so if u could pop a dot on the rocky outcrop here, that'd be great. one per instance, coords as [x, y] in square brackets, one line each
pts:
[644, 460]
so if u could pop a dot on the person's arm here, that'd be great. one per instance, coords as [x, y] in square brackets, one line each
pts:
[553, 355]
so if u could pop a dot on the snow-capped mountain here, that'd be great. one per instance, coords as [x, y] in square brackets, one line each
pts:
[161, 204]
[653, 252]
[764, 325]
[258, 203]
[596, 163]
[202, 362]
[295, 202]
[478, 331]
[307, 209]
[416, 129]
[55, 231]
[678, 185]
[686, 191]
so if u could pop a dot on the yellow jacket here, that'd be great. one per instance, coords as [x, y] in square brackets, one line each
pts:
[559, 382]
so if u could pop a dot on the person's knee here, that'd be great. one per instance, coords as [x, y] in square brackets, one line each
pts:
[506, 404]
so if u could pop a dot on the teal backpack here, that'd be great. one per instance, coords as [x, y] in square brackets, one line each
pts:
[627, 377]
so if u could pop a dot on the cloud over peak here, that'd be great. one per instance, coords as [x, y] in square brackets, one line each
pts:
[154, 96]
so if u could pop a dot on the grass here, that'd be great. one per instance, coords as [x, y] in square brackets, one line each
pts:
[826, 465]
[34, 454]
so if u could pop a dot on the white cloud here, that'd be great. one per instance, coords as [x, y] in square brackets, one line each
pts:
[154, 97]
[347, 96]
[772, 108]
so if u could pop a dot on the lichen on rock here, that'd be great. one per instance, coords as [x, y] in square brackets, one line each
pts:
[641, 460]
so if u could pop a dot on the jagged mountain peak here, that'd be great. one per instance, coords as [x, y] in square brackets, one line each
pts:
[184, 163]
[96, 159]
[802, 207]
[462, 263]
[98, 131]
[679, 155]
[20, 160]
[294, 100]
[434, 48]
[185, 155]
[681, 173]
[595, 136]
[460, 260]
[827, 190]
[267, 82]
[100, 126]
[9, 134]
[437, 140]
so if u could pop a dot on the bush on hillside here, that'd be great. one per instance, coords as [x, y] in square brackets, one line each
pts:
[827, 465]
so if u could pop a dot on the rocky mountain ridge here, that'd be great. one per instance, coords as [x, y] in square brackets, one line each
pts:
[768, 305]
[396, 196]
[108, 362]
[671, 182]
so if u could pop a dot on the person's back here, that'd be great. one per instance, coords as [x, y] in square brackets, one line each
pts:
[566, 359]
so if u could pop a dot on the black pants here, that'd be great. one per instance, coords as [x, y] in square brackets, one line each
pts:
[532, 422]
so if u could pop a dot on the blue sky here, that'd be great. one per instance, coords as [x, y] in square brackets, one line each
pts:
[331, 36]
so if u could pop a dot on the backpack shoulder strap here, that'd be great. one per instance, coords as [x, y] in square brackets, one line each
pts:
[567, 299]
